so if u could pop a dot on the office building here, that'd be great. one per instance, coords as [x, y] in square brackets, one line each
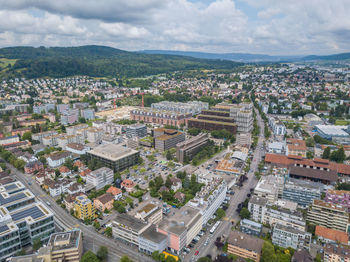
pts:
[328, 215]
[269, 187]
[100, 177]
[164, 139]
[193, 107]
[150, 241]
[209, 199]
[337, 134]
[244, 246]
[181, 228]
[301, 191]
[250, 227]
[136, 130]
[83, 208]
[128, 228]
[277, 127]
[243, 116]
[150, 213]
[335, 253]
[187, 149]
[286, 236]
[116, 157]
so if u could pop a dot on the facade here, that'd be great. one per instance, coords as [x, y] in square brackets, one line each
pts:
[164, 139]
[56, 159]
[150, 241]
[159, 117]
[269, 187]
[39, 136]
[193, 107]
[116, 157]
[128, 228]
[100, 177]
[9, 140]
[213, 124]
[296, 147]
[43, 108]
[277, 127]
[285, 236]
[209, 199]
[150, 213]
[301, 191]
[244, 246]
[88, 113]
[187, 149]
[104, 202]
[83, 207]
[328, 215]
[335, 252]
[69, 116]
[243, 116]
[243, 139]
[250, 227]
[338, 197]
[136, 130]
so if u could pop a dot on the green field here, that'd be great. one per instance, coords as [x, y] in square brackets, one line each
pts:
[342, 122]
[4, 62]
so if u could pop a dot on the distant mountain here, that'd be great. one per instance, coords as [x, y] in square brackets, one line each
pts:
[31, 62]
[342, 56]
[241, 57]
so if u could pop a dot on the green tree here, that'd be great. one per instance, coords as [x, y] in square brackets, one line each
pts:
[326, 153]
[125, 259]
[155, 255]
[89, 256]
[244, 213]
[102, 253]
[309, 155]
[37, 244]
[168, 182]
[220, 213]
[310, 142]
[27, 136]
[268, 253]
[97, 225]
[108, 231]
[169, 156]
[204, 259]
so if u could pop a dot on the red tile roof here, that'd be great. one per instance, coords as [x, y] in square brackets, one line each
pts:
[332, 234]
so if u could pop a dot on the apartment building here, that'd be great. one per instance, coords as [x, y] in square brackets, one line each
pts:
[104, 202]
[87, 113]
[296, 147]
[58, 158]
[338, 197]
[84, 208]
[63, 141]
[150, 241]
[193, 107]
[287, 236]
[335, 253]
[72, 130]
[187, 149]
[128, 228]
[243, 116]
[116, 157]
[100, 177]
[209, 199]
[301, 191]
[38, 109]
[250, 227]
[244, 246]
[136, 130]
[276, 125]
[243, 139]
[150, 213]
[269, 187]
[164, 139]
[328, 215]
[69, 116]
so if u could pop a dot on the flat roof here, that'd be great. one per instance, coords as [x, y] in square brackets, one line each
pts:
[152, 235]
[35, 211]
[333, 130]
[130, 221]
[65, 240]
[112, 152]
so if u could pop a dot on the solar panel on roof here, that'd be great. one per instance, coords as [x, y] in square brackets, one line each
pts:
[4, 228]
[12, 198]
[33, 211]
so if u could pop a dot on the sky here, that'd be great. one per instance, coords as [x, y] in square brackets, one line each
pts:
[275, 27]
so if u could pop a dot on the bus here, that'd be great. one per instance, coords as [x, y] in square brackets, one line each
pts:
[212, 230]
[166, 254]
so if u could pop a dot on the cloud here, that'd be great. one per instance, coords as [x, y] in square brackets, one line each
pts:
[280, 27]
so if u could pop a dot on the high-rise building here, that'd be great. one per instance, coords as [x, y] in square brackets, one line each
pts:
[187, 149]
[136, 130]
[193, 107]
[100, 177]
[84, 208]
[164, 139]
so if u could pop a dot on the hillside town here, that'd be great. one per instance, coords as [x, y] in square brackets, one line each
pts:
[249, 165]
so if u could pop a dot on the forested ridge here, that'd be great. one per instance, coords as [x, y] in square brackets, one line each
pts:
[31, 62]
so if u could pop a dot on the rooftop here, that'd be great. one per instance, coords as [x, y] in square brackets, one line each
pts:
[131, 222]
[112, 152]
[245, 241]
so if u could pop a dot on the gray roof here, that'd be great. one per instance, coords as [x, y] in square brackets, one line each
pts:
[245, 241]
[130, 221]
[258, 201]
[152, 235]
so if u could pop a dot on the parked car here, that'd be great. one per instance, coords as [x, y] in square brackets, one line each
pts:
[196, 253]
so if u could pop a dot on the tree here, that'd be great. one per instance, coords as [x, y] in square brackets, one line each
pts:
[268, 253]
[102, 253]
[155, 255]
[204, 259]
[326, 153]
[27, 136]
[168, 182]
[125, 259]
[309, 155]
[108, 231]
[244, 213]
[310, 142]
[97, 225]
[89, 256]
[220, 213]
[169, 156]
[37, 244]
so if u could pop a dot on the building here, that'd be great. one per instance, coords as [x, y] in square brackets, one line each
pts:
[56, 159]
[128, 228]
[338, 197]
[209, 199]
[150, 241]
[335, 252]
[187, 149]
[277, 127]
[286, 236]
[69, 116]
[181, 228]
[243, 116]
[328, 215]
[331, 236]
[136, 130]
[43, 108]
[193, 107]
[269, 187]
[116, 157]
[84, 208]
[150, 213]
[244, 246]
[277, 147]
[337, 134]
[104, 202]
[39, 136]
[116, 192]
[100, 177]
[243, 139]
[296, 147]
[128, 185]
[302, 255]
[149, 115]
[76, 148]
[33, 166]
[250, 227]
[302, 192]
[313, 174]
[164, 139]
[87, 113]
[9, 140]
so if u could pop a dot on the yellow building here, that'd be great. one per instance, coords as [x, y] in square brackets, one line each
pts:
[84, 208]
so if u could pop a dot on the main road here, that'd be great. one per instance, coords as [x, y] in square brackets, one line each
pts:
[92, 239]
[239, 197]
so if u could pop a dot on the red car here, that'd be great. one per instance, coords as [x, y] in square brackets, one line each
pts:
[196, 253]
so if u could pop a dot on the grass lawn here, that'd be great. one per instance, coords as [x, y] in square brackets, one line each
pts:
[342, 122]
[4, 62]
